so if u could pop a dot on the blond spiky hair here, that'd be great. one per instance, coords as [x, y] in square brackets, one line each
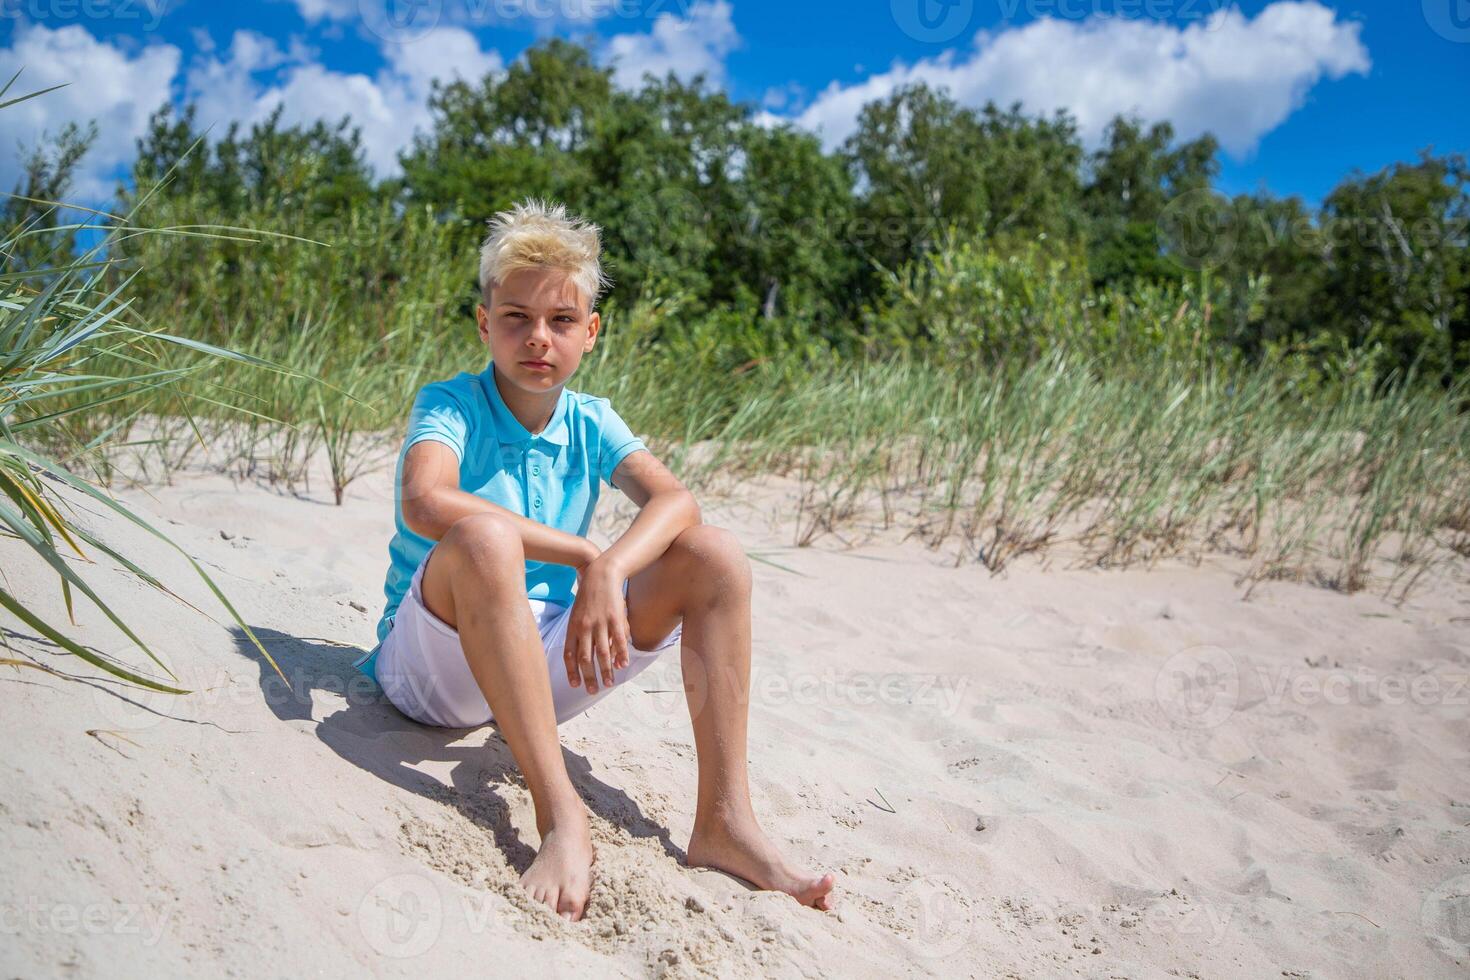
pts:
[537, 234]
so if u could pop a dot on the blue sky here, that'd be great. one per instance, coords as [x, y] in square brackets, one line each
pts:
[1301, 92]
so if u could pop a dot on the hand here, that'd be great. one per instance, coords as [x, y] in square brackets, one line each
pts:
[597, 629]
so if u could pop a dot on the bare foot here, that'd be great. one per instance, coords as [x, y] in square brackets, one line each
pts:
[561, 875]
[741, 849]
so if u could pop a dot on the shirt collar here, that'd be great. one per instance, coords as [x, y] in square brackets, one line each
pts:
[508, 428]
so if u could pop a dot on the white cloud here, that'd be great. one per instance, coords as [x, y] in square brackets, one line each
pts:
[1236, 77]
[116, 88]
[315, 10]
[448, 52]
[394, 18]
[687, 46]
[244, 82]
[387, 107]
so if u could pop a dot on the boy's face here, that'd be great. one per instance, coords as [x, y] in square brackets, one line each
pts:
[537, 327]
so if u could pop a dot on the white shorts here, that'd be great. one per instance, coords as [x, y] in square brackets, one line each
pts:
[423, 671]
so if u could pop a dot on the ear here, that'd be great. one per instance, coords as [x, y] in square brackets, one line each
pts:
[482, 317]
[594, 324]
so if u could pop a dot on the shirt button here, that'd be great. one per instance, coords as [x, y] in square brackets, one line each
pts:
[536, 471]
[538, 501]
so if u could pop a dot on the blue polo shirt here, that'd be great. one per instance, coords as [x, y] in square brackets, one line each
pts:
[553, 477]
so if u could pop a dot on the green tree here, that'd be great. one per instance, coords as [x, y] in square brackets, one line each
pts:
[505, 137]
[923, 164]
[318, 169]
[32, 217]
[1396, 265]
[1130, 180]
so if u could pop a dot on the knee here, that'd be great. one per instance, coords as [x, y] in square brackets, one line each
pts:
[481, 539]
[717, 552]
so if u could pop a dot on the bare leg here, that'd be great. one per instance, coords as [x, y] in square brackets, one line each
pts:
[475, 582]
[704, 577]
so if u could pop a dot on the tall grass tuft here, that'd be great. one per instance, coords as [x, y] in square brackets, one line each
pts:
[66, 327]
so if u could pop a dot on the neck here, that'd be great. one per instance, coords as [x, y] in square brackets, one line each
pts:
[533, 409]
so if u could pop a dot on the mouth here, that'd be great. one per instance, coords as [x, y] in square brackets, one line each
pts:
[536, 365]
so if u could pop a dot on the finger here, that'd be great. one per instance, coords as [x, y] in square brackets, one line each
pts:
[569, 654]
[620, 640]
[584, 661]
[604, 655]
[621, 632]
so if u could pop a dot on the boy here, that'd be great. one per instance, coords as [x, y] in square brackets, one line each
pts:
[497, 482]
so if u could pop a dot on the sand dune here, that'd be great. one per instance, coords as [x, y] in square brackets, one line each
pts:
[1052, 772]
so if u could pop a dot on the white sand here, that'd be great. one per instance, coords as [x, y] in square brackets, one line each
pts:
[1058, 807]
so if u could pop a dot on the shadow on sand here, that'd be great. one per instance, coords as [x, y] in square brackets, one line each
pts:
[375, 736]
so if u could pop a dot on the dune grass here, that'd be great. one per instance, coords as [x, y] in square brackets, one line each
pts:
[1114, 464]
[66, 325]
[1124, 464]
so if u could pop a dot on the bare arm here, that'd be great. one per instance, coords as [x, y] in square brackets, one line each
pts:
[665, 509]
[433, 501]
[597, 635]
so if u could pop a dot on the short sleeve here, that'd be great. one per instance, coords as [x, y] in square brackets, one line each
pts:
[438, 415]
[617, 441]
